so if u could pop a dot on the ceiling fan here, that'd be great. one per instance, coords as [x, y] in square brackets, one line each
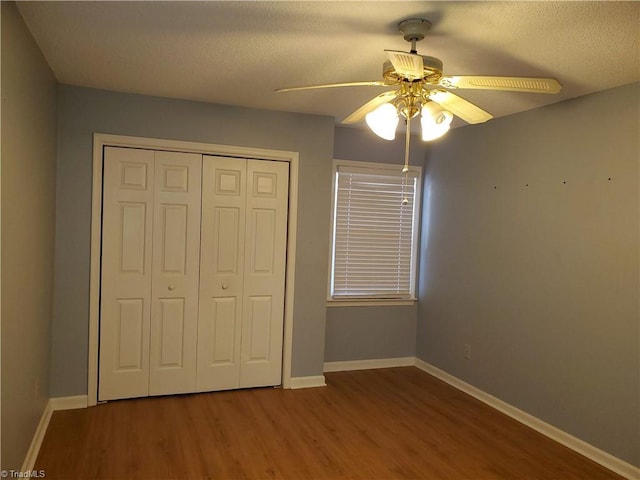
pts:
[420, 87]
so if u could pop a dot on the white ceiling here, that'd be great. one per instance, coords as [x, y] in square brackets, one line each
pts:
[238, 53]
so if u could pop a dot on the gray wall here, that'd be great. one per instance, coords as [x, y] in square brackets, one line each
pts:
[539, 276]
[28, 210]
[363, 333]
[85, 111]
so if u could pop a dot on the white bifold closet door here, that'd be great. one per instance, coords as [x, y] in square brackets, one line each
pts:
[150, 273]
[242, 273]
[193, 273]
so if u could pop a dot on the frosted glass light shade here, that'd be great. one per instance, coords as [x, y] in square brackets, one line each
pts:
[383, 121]
[435, 121]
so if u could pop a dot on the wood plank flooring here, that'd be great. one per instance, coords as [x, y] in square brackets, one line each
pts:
[396, 423]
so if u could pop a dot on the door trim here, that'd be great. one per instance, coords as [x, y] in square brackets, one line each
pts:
[101, 140]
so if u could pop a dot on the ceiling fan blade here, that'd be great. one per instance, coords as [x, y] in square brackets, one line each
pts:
[333, 85]
[407, 64]
[370, 106]
[514, 84]
[460, 107]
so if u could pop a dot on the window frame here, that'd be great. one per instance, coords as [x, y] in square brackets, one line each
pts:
[376, 168]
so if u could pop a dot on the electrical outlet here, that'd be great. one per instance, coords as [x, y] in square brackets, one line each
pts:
[467, 351]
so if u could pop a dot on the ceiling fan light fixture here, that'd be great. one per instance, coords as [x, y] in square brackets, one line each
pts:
[383, 121]
[435, 121]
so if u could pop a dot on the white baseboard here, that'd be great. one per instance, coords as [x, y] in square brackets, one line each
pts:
[599, 456]
[54, 404]
[369, 364]
[307, 382]
[36, 441]
[68, 403]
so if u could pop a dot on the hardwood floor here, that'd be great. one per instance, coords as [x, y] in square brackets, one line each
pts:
[396, 423]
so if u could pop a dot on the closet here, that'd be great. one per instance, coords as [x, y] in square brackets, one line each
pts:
[192, 273]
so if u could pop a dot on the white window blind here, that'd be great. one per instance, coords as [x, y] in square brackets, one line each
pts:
[375, 233]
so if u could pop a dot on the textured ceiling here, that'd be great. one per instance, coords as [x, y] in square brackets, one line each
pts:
[238, 53]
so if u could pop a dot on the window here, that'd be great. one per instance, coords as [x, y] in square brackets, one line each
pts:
[374, 232]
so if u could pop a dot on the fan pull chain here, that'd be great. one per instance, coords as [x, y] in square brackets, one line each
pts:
[405, 169]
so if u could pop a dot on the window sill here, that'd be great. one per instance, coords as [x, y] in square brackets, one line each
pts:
[370, 302]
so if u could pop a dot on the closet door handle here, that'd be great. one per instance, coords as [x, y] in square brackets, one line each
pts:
[225, 285]
[172, 287]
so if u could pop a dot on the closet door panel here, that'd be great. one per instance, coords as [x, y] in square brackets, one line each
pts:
[222, 331]
[175, 275]
[264, 272]
[125, 307]
[259, 319]
[221, 273]
[171, 332]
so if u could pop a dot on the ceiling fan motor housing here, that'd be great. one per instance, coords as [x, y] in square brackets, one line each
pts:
[432, 72]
